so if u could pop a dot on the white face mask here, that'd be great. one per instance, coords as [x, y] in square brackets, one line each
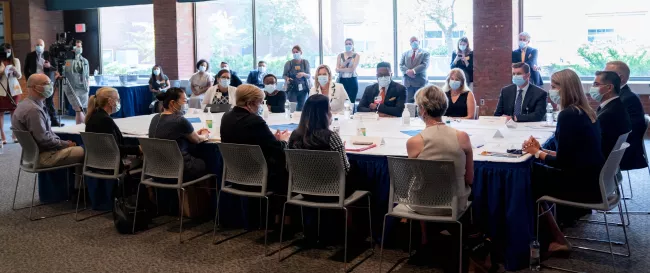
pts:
[323, 79]
[39, 49]
[225, 68]
[156, 72]
[8, 54]
[269, 88]
[202, 68]
[262, 69]
[224, 82]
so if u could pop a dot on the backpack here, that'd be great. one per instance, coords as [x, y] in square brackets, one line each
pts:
[124, 207]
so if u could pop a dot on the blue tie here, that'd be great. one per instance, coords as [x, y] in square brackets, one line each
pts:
[518, 103]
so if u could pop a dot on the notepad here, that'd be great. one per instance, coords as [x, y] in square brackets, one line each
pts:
[194, 120]
[282, 127]
[412, 132]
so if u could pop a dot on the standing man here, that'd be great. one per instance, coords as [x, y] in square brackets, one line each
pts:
[256, 77]
[38, 62]
[522, 101]
[528, 55]
[234, 79]
[414, 65]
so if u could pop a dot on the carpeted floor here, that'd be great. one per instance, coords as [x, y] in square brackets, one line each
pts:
[62, 245]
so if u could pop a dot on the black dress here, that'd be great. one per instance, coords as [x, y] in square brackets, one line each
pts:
[457, 109]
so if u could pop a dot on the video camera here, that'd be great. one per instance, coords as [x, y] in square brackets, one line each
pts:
[61, 50]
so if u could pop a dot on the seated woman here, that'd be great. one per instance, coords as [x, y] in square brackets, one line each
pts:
[461, 99]
[98, 120]
[158, 82]
[572, 171]
[275, 99]
[170, 124]
[223, 93]
[324, 85]
[200, 82]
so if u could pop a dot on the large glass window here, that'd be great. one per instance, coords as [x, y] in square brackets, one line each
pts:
[368, 22]
[281, 24]
[224, 32]
[438, 24]
[592, 33]
[127, 40]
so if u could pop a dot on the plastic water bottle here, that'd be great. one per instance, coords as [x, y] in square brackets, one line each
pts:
[336, 126]
[535, 263]
[287, 109]
[265, 111]
[549, 114]
[361, 128]
[406, 116]
[347, 109]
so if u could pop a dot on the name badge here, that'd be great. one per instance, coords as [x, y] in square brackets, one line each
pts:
[299, 87]
[297, 67]
[219, 95]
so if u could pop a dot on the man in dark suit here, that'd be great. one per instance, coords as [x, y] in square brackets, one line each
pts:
[522, 101]
[38, 61]
[528, 55]
[393, 95]
[613, 118]
[234, 79]
[633, 157]
[256, 77]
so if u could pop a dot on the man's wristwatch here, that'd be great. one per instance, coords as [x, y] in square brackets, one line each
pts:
[539, 152]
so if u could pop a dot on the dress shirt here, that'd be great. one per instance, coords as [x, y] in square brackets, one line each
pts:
[31, 116]
[39, 63]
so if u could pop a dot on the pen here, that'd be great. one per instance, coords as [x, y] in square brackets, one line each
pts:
[479, 146]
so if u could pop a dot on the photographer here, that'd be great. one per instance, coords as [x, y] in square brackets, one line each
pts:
[77, 73]
[296, 78]
[38, 62]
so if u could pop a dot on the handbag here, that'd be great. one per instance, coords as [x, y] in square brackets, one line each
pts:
[8, 92]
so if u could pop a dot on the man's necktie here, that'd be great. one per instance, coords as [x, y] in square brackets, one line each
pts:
[413, 56]
[383, 94]
[518, 102]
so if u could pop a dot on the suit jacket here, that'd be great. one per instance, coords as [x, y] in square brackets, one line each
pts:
[234, 79]
[29, 67]
[392, 105]
[614, 121]
[253, 78]
[533, 108]
[633, 157]
[531, 60]
[419, 64]
[101, 122]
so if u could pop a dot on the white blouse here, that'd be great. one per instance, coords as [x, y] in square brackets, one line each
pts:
[214, 91]
[337, 95]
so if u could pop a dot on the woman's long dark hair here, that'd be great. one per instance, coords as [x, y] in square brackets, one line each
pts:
[160, 76]
[173, 94]
[313, 131]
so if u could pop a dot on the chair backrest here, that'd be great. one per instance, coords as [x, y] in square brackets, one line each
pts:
[31, 152]
[476, 112]
[621, 139]
[608, 185]
[162, 159]
[101, 152]
[318, 173]
[422, 183]
[412, 109]
[244, 165]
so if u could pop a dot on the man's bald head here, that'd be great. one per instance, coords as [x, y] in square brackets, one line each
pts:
[35, 84]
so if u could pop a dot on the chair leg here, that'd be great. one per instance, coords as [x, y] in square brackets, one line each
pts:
[260, 225]
[381, 250]
[625, 232]
[410, 234]
[629, 182]
[611, 250]
[318, 226]
[302, 221]
[16, 191]
[372, 246]
[345, 242]
[266, 226]
[284, 207]
[181, 191]
[76, 211]
[537, 228]
[33, 196]
[135, 213]
[460, 247]
[216, 218]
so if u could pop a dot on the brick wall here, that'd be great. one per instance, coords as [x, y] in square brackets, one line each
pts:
[174, 37]
[44, 24]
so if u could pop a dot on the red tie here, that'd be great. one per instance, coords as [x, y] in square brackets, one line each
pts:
[413, 56]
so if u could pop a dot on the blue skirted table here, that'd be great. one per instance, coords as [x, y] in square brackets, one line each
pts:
[503, 204]
[135, 100]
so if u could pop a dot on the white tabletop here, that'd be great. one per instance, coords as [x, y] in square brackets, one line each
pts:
[481, 135]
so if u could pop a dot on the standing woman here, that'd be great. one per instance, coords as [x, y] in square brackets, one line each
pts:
[77, 73]
[346, 66]
[9, 93]
[200, 82]
[463, 59]
[324, 85]
[296, 78]
[462, 103]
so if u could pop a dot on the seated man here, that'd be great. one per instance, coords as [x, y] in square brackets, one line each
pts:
[633, 158]
[613, 118]
[393, 95]
[31, 116]
[522, 101]
[256, 77]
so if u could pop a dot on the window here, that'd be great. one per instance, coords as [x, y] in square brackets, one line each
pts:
[593, 32]
[224, 33]
[368, 22]
[438, 24]
[127, 40]
[281, 24]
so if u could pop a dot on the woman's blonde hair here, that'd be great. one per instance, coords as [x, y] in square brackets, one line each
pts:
[571, 93]
[329, 76]
[100, 99]
[460, 74]
[247, 93]
[432, 101]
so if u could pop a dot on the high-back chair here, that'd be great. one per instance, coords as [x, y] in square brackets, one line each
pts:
[244, 165]
[163, 160]
[30, 162]
[418, 186]
[321, 174]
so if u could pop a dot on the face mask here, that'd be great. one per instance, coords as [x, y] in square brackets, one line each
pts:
[8, 54]
[118, 106]
[39, 49]
[415, 45]
[224, 82]
[594, 92]
[383, 81]
[48, 90]
[296, 56]
[225, 68]
[454, 84]
[262, 69]
[348, 48]
[554, 95]
[156, 72]
[462, 47]
[78, 50]
[269, 88]
[260, 110]
[202, 68]
[184, 108]
[518, 80]
[323, 79]
[522, 44]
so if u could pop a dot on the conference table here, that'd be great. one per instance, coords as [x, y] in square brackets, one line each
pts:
[503, 205]
[135, 100]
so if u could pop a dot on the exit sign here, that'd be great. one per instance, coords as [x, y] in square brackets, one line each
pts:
[80, 28]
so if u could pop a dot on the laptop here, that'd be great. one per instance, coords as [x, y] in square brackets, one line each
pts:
[217, 108]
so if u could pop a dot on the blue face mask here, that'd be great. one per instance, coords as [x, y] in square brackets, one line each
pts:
[260, 110]
[323, 79]
[296, 56]
[415, 45]
[454, 84]
[554, 95]
[522, 44]
[462, 47]
[595, 94]
[518, 80]
[348, 48]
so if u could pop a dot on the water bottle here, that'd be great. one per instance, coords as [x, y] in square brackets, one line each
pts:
[535, 263]
[347, 109]
[287, 109]
[406, 116]
[549, 114]
[336, 127]
[361, 128]
[265, 111]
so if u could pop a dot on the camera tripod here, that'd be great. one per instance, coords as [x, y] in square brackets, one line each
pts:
[68, 93]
